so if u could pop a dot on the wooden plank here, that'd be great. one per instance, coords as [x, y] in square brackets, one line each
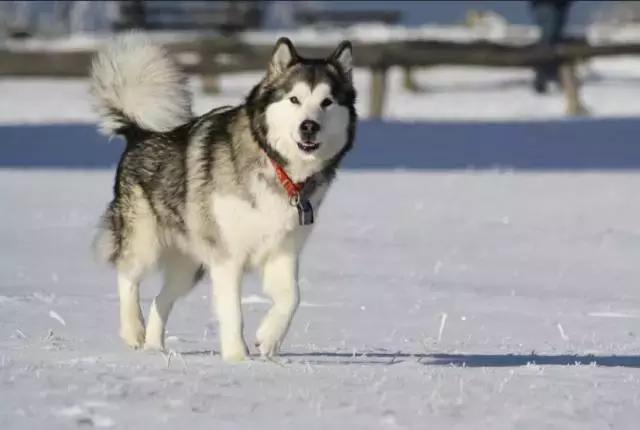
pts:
[426, 53]
[348, 16]
[430, 53]
[68, 64]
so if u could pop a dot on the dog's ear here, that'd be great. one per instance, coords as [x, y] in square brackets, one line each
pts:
[343, 57]
[284, 55]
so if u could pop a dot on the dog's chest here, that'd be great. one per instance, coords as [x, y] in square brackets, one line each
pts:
[253, 227]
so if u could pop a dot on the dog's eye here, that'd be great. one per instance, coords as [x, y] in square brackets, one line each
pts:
[294, 100]
[326, 103]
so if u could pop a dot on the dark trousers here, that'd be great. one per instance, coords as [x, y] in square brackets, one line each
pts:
[551, 17]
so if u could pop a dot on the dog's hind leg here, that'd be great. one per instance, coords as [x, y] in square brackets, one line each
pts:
[131, 320]
[137, 254]
[279, 278]
[108, 246]
[180, 275]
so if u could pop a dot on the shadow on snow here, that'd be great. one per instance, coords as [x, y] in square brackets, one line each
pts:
[471, 360]
[457, 360]
[576, 144]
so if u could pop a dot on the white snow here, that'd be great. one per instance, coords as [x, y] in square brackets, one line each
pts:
[612, 315]
[56, 316]
[380, 355]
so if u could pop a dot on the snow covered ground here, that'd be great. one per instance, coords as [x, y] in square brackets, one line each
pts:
[430, 300]
[480, 272]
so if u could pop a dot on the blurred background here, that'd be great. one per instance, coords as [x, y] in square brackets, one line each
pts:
[440, 60]
[64, 17]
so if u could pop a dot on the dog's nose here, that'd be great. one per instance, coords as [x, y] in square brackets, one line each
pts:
[309, 128]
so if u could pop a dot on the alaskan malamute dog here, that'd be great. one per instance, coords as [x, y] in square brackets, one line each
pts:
[234, 189]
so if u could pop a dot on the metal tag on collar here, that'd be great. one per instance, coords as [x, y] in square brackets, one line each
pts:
[305, 212]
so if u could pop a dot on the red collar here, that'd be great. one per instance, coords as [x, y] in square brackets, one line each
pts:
[293, 189]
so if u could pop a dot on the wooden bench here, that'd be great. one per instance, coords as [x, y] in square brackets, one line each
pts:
[342, 18]
[226, 17]
[216, 55]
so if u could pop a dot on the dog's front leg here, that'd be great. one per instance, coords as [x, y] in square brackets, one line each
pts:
[280, 283]
[227, 280]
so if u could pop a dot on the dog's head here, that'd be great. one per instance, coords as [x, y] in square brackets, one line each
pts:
[303, 112]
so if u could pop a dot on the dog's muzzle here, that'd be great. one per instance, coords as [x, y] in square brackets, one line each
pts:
[308, 131]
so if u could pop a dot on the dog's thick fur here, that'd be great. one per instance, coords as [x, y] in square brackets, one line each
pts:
[196, 193]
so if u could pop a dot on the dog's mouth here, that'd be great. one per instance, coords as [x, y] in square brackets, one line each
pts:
[308, 146]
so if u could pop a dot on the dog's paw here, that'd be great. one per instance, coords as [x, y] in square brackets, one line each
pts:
[154, 339]
[154, 346]
[234, 353]
[268, 350]
[268, 340]
[133, 335]
[268, 347]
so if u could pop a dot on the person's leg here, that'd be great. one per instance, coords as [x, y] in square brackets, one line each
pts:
[541, 15]
[550, 18]
[556, 34]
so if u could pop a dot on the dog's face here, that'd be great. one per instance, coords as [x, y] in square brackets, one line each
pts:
[308, 105]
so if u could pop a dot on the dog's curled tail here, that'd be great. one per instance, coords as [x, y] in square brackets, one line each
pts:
[136, 85]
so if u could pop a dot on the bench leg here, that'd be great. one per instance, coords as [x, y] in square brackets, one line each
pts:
[409, 80]
[378, 92]
[571, 87]
[210, 84]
